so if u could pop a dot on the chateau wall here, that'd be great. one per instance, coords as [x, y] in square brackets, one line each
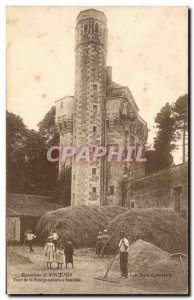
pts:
[64, 121]
[120, 130]
[158, 189]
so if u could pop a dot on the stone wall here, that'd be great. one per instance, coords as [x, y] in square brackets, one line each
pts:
[124, 127]
[64, 122]
[166, 188]
[13, 229]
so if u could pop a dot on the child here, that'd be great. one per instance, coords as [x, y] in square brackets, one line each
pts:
[69, 253]
[59, 256]
[49, 252]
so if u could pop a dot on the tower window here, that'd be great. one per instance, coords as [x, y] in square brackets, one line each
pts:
[107, 124]
[111, 190]
[96, 28]
[61, 104]
[95, 87]
[94, 190]
[94, 129]
[93, 171]
[86, 28]
[95, 108]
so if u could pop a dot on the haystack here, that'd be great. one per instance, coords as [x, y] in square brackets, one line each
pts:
[79, 224]
[162, 227]
[151, 268]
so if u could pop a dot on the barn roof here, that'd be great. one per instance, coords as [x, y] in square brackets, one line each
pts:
[29, 205]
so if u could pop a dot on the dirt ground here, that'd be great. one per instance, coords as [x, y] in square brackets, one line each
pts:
[35, 278]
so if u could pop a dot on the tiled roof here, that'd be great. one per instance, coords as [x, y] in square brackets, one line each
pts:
[29, 205]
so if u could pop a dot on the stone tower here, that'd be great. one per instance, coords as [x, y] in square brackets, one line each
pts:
[101, 113]
[90, 96]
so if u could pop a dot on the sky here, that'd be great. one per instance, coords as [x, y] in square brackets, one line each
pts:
[147, 49]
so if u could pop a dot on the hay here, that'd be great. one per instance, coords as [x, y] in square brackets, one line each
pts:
[162, 227]
[152, 268]
[14, 258]
[78, 224]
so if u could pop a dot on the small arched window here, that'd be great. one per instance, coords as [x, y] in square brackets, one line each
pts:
[96, 28]
[86, 27]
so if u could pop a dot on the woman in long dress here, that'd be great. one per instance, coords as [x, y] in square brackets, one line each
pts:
[69, 254]
[49, 252]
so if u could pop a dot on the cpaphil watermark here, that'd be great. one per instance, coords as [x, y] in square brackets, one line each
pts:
[68, 153]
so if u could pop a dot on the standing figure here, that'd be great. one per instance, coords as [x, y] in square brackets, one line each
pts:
[49, 252]
[59, 256]
[69, 254]
[99, 243]
[54, 237]
[123, 248]
[105, 240]
[29, 239]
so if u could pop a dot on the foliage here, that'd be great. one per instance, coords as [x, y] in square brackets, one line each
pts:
[41, 174]
[151, 163]
[164, 141]
[47, 128]
[63, 190]
[15, 151]
[28, 170]
[180, 112]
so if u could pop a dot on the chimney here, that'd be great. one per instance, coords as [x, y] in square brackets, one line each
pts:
[108, 75]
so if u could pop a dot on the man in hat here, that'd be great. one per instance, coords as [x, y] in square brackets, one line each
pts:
[29, 239]
[99, 243]
[105, 240]
[123, 248]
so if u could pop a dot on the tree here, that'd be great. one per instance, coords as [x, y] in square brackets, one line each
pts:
[164, 143]
[151, 164]
[64, 186]
[28, 170]
[47, 128]
[180, 114]
[40, 174]
[50, 135]
[15, 153]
